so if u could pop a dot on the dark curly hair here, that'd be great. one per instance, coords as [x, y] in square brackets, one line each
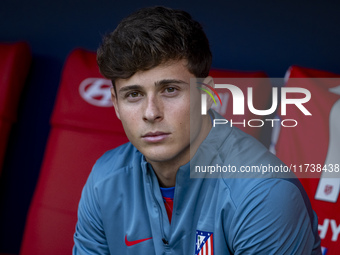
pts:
[150, 37]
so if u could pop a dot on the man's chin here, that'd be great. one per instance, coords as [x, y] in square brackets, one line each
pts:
[157, 158]
[167, 158]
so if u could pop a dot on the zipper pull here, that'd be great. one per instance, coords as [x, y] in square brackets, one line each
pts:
[165, 241]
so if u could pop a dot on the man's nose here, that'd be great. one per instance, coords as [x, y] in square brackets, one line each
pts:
[153, 109]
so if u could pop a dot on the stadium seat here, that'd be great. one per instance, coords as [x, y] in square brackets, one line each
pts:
[14, 67]
[316, 141]
[84, 126]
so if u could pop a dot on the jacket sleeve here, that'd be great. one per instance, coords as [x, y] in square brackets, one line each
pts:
[274, 218]
[89, 237]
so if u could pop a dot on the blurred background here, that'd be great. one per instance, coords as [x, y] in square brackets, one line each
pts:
[244, 35]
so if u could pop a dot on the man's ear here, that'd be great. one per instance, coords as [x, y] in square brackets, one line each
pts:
[115, 101]
[210, 81]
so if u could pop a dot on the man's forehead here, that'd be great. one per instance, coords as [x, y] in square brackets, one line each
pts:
[175, 72]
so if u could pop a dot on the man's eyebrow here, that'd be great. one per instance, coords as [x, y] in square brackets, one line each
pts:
[169, 81]
[157, 83]
[130, 87]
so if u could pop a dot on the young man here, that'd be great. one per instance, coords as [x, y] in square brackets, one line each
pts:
[139, 197]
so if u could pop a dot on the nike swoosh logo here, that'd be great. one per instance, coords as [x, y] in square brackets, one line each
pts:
[130, 243]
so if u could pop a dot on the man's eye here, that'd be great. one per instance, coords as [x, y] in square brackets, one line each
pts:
[133, 94]
[170, 89]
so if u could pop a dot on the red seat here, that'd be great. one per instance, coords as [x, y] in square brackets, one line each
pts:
[84, 126]
[14, 66]
[316, 140]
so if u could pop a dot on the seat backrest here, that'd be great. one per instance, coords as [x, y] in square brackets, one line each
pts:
[15, 62]
[313, 147]
[84, 126]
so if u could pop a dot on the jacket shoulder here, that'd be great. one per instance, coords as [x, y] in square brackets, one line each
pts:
[115, 160]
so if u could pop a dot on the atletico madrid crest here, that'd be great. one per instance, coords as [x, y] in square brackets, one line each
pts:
[204, 243]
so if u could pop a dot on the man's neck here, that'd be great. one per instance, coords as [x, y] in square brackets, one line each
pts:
[166, 174]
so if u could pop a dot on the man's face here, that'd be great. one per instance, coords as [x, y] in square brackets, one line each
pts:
[154, 107]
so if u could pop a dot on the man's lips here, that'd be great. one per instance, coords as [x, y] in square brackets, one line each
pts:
[154, 137]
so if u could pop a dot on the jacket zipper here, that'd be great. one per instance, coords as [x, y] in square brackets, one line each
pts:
[164, 240]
